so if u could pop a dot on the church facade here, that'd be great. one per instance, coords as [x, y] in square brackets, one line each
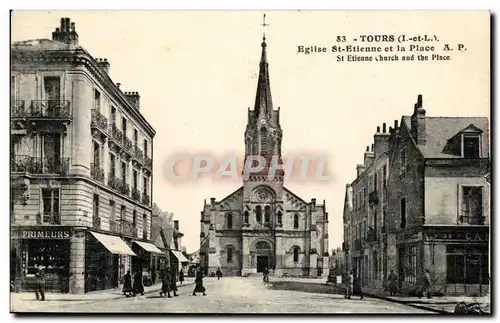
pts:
[264, 224]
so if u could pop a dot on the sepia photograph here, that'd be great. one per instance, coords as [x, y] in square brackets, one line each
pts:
[250, 162]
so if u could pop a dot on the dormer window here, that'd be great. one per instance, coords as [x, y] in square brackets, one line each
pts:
[470, 145]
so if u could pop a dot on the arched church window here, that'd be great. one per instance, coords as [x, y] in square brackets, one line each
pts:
[280, 217]
[296, 221]
[229, 254]
[296, 254]
[246, 217]
[258, 214]
[267, 214]
[229, 221]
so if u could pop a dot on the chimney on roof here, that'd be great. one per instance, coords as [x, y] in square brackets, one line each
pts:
[103, 63]
[313, 202]
[359, 169]
[66, 33]
[418, 128]
[118, 85]
[380, 142]
[176, 225]
[369, 157]
[133, 98]
[212, 201]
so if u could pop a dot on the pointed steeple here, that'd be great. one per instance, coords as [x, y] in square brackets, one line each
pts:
[263, 100]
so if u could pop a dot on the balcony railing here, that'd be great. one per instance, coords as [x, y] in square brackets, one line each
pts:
[48, 218]
[148, 162]
[138, 153]
[373, 197]
[474, 220]
[357, 244]
[17, 109]
[145, 234]
[145, 198]
[123, 227]
[49, 109]
[96, 172]
[40, 165]
[116, 134]
[127, 144]
[118, 184]
[136, 195]
[98, 120]
[96, 222]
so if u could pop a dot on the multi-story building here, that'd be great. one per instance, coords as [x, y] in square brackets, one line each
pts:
[364, 211]
[439, 201]
[431, 187]
[263, 224]
[81, 167]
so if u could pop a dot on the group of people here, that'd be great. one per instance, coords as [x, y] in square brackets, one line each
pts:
[134, 286]
[352, 286]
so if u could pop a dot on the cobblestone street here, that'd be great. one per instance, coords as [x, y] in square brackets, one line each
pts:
[229, 295]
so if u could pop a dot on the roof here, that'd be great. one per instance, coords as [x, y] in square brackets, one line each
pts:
[440, 130]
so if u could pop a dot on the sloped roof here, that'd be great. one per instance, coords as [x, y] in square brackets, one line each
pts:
[41, 44]
[439, 130]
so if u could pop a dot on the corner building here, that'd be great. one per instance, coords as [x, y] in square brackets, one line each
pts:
[81, 168]
[263, 224]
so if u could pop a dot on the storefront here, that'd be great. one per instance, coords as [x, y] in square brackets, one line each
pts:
[106, 261]
[178, 261]
[40, 248]
[457, 259]
[146, 260]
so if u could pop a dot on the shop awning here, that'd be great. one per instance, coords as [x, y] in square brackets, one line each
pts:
[148, 247]
[115, 245]
[179, 256]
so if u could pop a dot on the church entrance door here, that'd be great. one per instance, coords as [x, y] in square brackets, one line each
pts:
[262, 263]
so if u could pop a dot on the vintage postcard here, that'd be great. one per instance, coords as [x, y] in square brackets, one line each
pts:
[250, 162]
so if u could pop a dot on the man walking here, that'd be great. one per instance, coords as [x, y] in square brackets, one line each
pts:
[349, 280]
[173, 282]
[426, 284]
[40, 285]
[393, 283]
[199, 288]
[218, 273]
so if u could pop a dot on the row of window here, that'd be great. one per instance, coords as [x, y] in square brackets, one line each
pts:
[123, 212]
[258, 217]
[230, 251]
[361, 197]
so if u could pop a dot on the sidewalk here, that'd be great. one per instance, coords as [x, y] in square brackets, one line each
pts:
[109, 294]
[439, 304]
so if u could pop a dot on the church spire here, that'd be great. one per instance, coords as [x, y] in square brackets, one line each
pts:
[263, 100]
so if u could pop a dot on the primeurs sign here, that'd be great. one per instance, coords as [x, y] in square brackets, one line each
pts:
[41, 234]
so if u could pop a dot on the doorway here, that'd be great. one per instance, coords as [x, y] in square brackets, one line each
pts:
[262, 263]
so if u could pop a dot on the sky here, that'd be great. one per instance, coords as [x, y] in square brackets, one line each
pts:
[197, 72]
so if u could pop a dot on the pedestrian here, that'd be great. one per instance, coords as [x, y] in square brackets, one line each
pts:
[127, 284]
[138, 285]
[356, 290]
[173, 282]
[349, 280]
[218, 273]
[40, 285]
[199, 288]
[181, 276]
[393, 283]
[426, 285]
[265, 275]
[165, 284]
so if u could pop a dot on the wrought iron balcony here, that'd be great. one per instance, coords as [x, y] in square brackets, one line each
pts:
[48, 109]
[99, 121]
[138, 153]
[145, 234]
[119, 185]
[17, 109]
[127, 144]
[145, 198]
[116, 134]
[373, 197]
[474, 220]
[148, 162]
[40, 165]
[96, 221]
[123, 227]
[136, 195]
[97, 172]
[371, 236]
[48, 218]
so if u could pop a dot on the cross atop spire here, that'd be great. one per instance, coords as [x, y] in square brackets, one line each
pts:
[264, 25]
[263, 101]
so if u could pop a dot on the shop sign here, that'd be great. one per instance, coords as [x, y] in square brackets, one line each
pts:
[408, 238]
[458, 235]
[41, 234]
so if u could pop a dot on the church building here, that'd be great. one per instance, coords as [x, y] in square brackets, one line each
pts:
[263, 224]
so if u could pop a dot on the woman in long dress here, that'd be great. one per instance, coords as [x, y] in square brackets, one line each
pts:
[165, 284]
[138, 286]
[127, 284]
[199, 288]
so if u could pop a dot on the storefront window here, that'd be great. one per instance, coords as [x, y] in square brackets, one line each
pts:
[467, 264]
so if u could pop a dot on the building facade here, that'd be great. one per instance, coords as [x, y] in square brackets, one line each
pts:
[436, 205]
[364, 211]
[263, 224]
[81, 168]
